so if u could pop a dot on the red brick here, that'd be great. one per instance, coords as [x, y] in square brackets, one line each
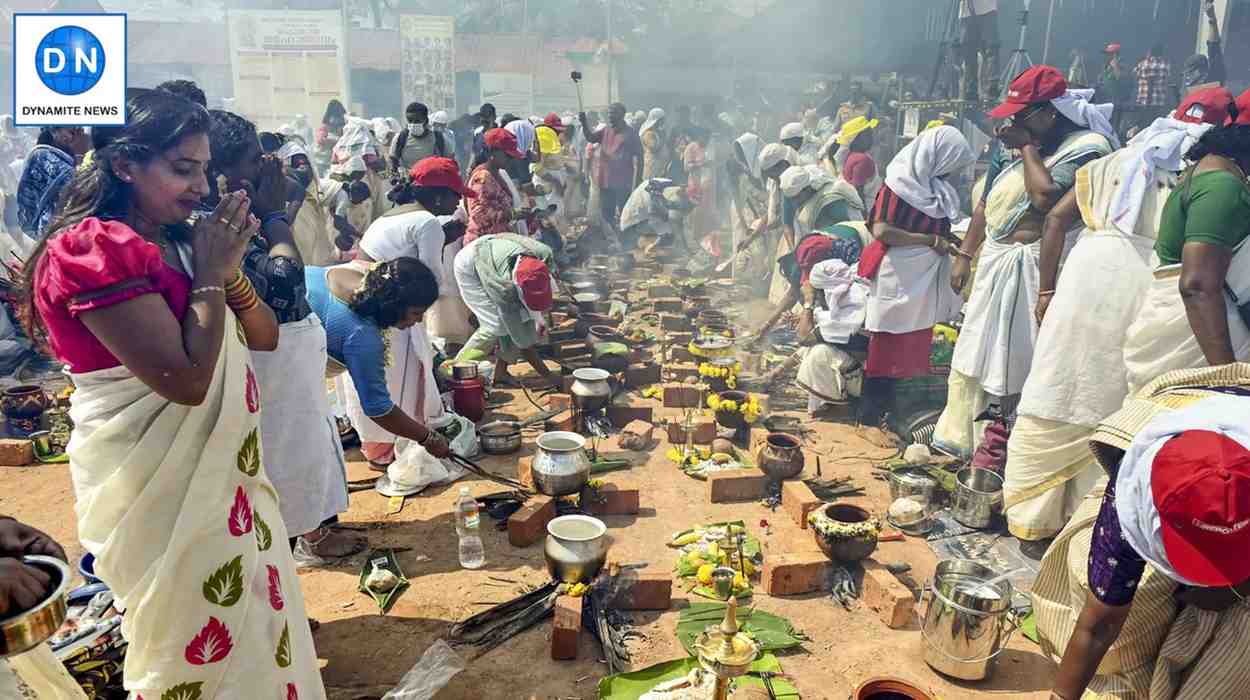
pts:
[668, 305]
[561, 421]
[572, 348]
[642, 590]
[673, 322]
[611, 499]
[566, 626]
[642, 375]
[16, 453]
[559, 402]
[798, 500]
[529, 524]
[624, 415]
[737, 485]
[524, 473]
[681, 337]
[795, 573]
[681, 353]
[680, 371]
[562, 335]
[893, 602]
[661, 291]
[681, 396]
[704, 431]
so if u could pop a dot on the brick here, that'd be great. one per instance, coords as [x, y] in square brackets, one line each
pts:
[566, 626]
[704, 431]
[611, 499]
[561, 421]
[642, 590]
[882, 592]
[572, 348]
[795, 573]
[681, 337]
[524, 471]
[798, 500]
[669, 305]
[624, 415]
[661, 291]
[562, 335]
[680, 371]
[673, 322]
[559, 402]
[16, 453]
[737, 485]
[642, 375]
[681, 396]
[681, 353]
[529, 524]
[566, 385]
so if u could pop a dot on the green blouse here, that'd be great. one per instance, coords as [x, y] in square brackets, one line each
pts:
[1214, 207]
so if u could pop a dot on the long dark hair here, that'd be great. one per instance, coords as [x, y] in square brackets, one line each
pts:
[155, 122]
[334, 108]
[229, 137]
[1231, 141]
[393, 287]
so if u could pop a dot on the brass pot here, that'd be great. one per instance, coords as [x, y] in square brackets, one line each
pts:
[26, 630]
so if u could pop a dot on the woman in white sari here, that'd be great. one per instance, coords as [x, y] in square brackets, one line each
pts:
[154, 320]
[1120, 199]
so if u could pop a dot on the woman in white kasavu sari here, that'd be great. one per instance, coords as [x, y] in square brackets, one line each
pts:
[154, 320]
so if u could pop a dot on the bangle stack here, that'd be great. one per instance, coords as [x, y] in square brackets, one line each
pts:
[1046, 293]
[240, 295]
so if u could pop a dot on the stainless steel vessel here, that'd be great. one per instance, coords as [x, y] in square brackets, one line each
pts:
[561, 466]
[576, 548]
[591, 390]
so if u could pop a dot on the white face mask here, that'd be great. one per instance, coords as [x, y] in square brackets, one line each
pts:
[417, 130]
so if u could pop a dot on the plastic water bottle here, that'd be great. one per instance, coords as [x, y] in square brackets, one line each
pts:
[472, 554]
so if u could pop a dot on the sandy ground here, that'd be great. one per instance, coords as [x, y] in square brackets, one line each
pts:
[364, 654]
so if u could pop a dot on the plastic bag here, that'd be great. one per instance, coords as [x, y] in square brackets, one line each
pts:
[438, 665]
[414, 468]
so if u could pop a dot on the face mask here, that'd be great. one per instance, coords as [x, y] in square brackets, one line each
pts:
[417, 130]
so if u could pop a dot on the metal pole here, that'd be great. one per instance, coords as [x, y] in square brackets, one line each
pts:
[1050, 20]
[611, 56]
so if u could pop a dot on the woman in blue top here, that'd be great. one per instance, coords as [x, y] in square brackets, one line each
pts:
[357, 308]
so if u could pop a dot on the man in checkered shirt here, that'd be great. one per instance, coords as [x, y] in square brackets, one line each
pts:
[1153, 75]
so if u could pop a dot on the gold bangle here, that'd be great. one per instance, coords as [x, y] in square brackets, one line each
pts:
[238, 283]
[246, 306]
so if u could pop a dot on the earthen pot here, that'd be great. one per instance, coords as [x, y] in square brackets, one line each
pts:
[845, 533]
[889, 689]
[781, 456]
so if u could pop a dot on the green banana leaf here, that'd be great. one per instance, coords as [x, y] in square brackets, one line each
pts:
[383, 559]
[771, 632]
[750, 548]
[631, 686]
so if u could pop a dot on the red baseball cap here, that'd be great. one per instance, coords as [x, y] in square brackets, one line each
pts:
[1112, 48]
[1243, 109]
[1037, 84]
[439, 172]
[1200, 481]
[534, 279]
[503, 140]
[1206, 106]
[554, 121]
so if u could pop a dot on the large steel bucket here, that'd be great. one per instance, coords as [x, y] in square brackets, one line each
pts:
[965, 624]
[978, 497]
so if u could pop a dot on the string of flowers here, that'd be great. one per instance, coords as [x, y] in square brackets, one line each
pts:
[750, 409]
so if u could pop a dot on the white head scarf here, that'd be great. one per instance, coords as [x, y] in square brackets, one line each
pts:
[915, 173]
[653, 118]
[1076, 105]
[794, 180]
[290, 149]
[793, 130]
[525, 134]
[440, 117]
[382, 129]
[750, 145]
[1134, 495]
[351, 148]
[1162, 145]
[774, 153]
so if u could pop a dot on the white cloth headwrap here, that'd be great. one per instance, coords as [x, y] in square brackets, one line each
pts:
[525, 134]
[774, 153]
[653, 118]
[845, 298]
[750, 145]
[440, 117]
[1162, 145]
[1076, 105]
[794, 180]
[793, 130]
[1134, 497]
[915, 173]
[290, 149]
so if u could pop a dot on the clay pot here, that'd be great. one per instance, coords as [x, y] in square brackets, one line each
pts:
[732, 419]
[781, 456]
[889, 689]
[844, 532]
[23, 407]
[603, 334]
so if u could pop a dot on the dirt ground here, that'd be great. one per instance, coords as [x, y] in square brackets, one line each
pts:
[364, 654]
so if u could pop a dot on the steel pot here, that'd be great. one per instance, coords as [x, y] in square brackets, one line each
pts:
[603, 334]
[26, 630]
[464, 370]
[500, 437]
[913, 481]
[965, 625]
[576, 548]
[561, 466]
[978, 497]
[781, 456]
[591, 390]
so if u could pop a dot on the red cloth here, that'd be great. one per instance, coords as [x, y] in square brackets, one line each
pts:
[614, 169]
[859, 169]
[892, 209]
[811, 250]
[534, 279]
[92, 256]
[490, 208]
[899, 355]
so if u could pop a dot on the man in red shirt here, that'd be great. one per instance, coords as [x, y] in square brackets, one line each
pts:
[617, 170]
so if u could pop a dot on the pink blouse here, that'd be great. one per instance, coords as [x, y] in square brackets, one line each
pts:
[91, 256]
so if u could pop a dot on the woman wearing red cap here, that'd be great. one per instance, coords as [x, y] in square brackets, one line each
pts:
[1119, 199]
[411, 229]
[506, 282]
[1052, 131]
[490, 210]
[1145, 593]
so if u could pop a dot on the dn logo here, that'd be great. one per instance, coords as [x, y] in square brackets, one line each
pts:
[69, 60]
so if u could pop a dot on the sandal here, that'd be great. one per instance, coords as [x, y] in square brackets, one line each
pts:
[334, 544]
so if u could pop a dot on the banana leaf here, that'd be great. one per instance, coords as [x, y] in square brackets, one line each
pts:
[771, 632]
[631, 686]
[383, 559]
[750, 548]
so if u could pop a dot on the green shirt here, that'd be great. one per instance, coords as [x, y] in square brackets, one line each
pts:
[1213, 207]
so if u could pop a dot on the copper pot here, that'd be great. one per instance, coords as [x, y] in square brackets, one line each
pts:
[781, 456]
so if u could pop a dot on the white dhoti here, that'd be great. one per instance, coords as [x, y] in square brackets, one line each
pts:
[449, 317]
[303, 453]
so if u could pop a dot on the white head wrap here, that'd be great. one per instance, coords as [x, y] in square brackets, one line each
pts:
[793, 130]
[286, 130]
[525, 134]
[653, 118]
[290, 149]
[915, 173]
[439, 117]
[774, 153]
[1134, 495]
[381, 129]
[750, 145]
[1076, 105]
[1162, 145]
[794, 180]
